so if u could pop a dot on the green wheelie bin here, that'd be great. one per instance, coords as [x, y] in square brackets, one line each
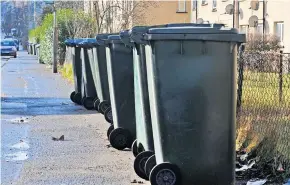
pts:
[143, 146]
[102, 103]
[88, 88]
[191, 73]
[76, 95]
[121, 86]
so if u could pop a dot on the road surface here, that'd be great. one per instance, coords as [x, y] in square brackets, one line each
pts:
[35, 108]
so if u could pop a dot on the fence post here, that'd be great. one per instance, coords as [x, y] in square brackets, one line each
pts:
[281, 77]
[240, 78]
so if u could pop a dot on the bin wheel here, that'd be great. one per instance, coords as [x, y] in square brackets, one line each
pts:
[165, 173]
[139, 163]
[96, 103]
[120, 139]
[88, 103]
[108, 115]
[134, 148]
[78, 98]
[72, 96]
[103, 106]
[149, 165]
[110, 129]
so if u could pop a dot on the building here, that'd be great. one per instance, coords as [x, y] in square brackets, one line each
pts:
[276, 23]
[122, 14]
[197, 11]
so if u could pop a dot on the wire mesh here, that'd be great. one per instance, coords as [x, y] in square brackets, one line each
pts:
[263, 108]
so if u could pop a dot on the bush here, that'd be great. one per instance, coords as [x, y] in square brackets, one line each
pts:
[256, 42]
[70, 24]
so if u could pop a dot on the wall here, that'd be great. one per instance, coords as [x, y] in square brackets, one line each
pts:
[161, 12]
[277, 11]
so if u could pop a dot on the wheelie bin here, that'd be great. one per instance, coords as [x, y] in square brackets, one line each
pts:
[30, 48]
[103, 101]
[191, 76]
[143, 146]
[68, 50]
[88, 88]
[33, 49]
[121, 86]
[76, 95]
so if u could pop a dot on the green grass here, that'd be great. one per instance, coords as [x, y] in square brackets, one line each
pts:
[262, 90]
[262, 109]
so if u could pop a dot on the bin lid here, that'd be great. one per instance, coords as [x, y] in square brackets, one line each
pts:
[88, 42]
[76, 41]
[102, 37]
[195, 33]
[194, 25]
[114, 39]
[137, 32]
[125, 38]
[68, 42]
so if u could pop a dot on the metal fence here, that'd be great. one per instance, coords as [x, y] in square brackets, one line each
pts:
[263, 104]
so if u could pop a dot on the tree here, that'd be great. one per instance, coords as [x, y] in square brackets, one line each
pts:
[115, 15]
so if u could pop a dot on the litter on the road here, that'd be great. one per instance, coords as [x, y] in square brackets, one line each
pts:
[58, 139]
[18, 156]
[22, 145]
[257, 182]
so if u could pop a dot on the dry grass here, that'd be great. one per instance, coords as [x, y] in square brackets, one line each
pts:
[262, 114]
[67, 71]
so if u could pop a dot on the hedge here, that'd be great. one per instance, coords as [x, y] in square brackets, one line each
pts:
[67, 22]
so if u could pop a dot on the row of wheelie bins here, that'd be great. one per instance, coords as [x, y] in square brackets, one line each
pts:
[169, 93]
[32, 48]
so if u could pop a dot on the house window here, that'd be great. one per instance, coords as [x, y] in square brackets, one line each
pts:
[204, 2]
[194, 4]
[214, 4]
[279, 30]
[244, 29]
[181, 5]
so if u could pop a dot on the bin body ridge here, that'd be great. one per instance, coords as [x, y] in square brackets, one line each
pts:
[142, 110]
[77, 68]
[101, 73]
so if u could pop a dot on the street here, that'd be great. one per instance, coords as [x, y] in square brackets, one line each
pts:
[35, 108]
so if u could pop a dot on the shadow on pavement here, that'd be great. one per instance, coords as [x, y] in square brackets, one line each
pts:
[33, 106]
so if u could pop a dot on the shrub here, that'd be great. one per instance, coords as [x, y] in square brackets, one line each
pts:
[70, 24]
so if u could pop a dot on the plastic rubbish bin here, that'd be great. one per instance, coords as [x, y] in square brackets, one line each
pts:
[76, 95]
[33, 49]
[143, 146]
[68, 50]
[88, 89]
[30, 48]
[121, 87]
[191, 76]
[37, 47]
[102, 104]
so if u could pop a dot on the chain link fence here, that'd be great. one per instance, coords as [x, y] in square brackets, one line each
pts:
[263, 107]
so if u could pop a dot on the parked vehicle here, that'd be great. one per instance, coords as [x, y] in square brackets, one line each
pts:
[8, 48]
[8, 37]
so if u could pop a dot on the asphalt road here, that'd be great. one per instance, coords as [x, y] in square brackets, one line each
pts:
[35, 108]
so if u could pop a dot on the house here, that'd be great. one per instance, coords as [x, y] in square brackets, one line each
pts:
[128, 13]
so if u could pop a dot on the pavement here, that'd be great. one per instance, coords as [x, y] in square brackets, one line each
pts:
[36, 107]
